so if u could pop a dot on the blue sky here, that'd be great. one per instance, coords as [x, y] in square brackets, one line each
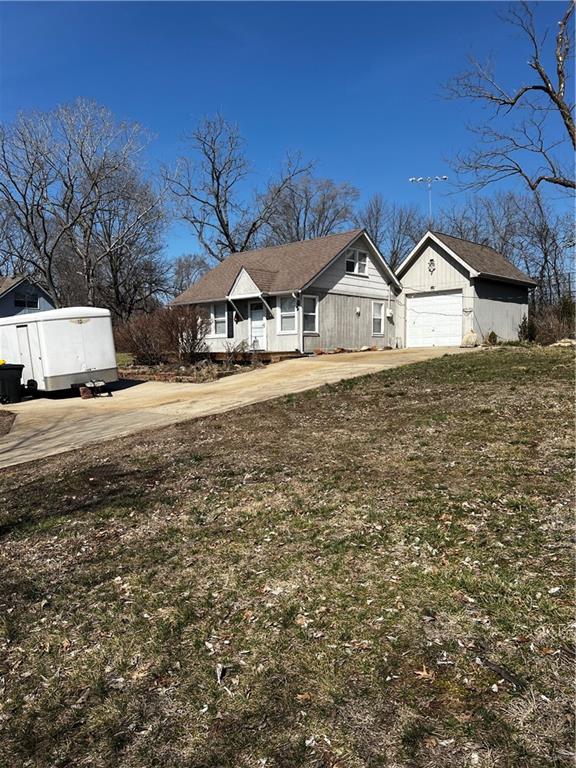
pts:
[353, 86]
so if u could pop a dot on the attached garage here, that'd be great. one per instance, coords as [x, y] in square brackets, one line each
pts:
[434, 319]
[453, 288]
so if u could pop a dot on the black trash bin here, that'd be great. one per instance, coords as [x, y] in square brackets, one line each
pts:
[10, 383]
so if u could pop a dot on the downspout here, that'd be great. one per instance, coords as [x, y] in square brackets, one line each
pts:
[388, 323]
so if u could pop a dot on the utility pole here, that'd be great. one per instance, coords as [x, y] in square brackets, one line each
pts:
[428, 180]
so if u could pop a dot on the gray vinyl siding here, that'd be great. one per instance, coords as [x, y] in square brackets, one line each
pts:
[339, 325]
[499, 307]
[487, 305]
[244, 286]
[340, 294]
[335, 279]
[274, 341]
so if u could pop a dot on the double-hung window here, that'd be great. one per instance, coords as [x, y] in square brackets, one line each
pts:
[377, 318]
[356, 262]
[219, 320]
[287, 315]
[310, 313]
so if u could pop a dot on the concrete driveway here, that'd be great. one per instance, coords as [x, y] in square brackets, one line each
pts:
[44, 427]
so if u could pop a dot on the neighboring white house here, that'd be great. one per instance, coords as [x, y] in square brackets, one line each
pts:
[334, 291]
[338, 291]
[452, 286]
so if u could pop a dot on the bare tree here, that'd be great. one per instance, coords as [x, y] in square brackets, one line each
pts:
[308, 207]
[15, 247]
[62, 176]
[209, 189]
[489, 221]
[395, 229]
[128, 242]
[526, 230]
[372, 217]
[187, 270]
[545, 248]
[530, 124]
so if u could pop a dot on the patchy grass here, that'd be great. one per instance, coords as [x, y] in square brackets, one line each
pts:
[124, 359]
[6, 420]
[376, 573]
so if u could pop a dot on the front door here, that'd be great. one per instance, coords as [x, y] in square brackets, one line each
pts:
[257, 326]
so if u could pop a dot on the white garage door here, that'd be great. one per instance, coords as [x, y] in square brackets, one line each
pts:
[434, 320]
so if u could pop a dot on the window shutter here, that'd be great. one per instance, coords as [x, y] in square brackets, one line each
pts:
[230, 321]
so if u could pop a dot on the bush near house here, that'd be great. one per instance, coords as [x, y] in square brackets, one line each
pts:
[165, 334]
[548, 323]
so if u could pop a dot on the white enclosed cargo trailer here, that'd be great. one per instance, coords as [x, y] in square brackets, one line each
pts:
[60, 348]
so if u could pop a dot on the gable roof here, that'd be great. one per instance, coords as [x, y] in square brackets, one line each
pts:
[7, 283]
[480, 260]
[279, 269]
[484, 259]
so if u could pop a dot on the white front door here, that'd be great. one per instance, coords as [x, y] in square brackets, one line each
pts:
[257, 326]
[434, 319]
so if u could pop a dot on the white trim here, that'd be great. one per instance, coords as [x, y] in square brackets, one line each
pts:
[264, 318]
[243, 271]
[279, 331]
[354, 254]
[382, 317]
[213, 334]
[316, 312]
[430, 235]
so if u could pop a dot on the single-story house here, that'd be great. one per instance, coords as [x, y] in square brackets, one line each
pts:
[452, 286]
[334, 291]
[19, 294]
[338, 291]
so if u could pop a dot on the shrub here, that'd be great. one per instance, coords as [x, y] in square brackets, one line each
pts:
[551, 322]
[141, 337]
[527, 329]
[183, 330]
[168, 332]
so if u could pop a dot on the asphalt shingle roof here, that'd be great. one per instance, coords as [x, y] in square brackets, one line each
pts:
[279, 269]
[7, 283]
[484, 259]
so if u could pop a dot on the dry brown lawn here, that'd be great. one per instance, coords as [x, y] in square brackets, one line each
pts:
[6, 419]
[376, 573]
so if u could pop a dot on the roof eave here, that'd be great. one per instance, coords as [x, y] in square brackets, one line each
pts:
[414, 252]
[528, 282]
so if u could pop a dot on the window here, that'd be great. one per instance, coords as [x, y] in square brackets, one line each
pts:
[27, 300]
[310, 313]
[219, 319]
[377, 318]
[287, 315]
[357, 262]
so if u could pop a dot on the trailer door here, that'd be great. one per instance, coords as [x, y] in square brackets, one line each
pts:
[25, 352]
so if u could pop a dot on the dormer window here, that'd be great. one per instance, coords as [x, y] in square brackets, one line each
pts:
[356, 262]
